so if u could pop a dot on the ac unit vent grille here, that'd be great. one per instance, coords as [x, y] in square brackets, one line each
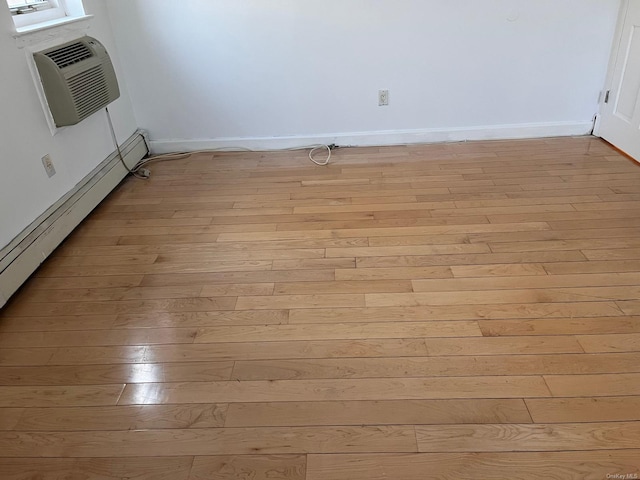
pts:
[89, 90]
[87, 85]
[70, 54]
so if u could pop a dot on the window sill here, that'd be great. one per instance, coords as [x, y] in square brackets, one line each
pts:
[39, 32]
[37, 27]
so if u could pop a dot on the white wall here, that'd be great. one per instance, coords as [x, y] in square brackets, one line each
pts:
[25, 190]
[228, 69]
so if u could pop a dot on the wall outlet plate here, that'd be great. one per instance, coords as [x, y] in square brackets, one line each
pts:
[48, 165]
[383, 98]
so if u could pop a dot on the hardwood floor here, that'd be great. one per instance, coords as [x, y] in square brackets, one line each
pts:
[450, 311]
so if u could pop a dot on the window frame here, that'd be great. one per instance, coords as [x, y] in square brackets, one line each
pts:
[58, 11]
[19, 7]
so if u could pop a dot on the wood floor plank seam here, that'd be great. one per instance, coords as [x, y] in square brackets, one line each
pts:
[477, 336]
[444, 348]
[45, 384]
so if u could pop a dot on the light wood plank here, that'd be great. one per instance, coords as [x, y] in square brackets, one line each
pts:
[235, 289]
[447, 366]
[398, 412]
[557, 234]
[510, 210]
[532, 438]
[592, 409]
[158, 268]
[336, 389]
[384, 232]
[44, 283]
[628, 342]
[122, 307]
[469, 259]
[586, 245]
[273, 333]
[100, 261]
[26, 356]
[615, 266]
[219, 441]
[122, 418]
[98, 337]
[586, 294]
[300, 301]
[594, 385]
[111, 294]
[411, 250]
[143, 468]
[616, 254]
[337, 286]
[502, 345]
[253, 254]
[573, 199]
[418, 240]
[566, 326]
[232, 351]
[471, 466]
[475, 297]
[603, 223]
[314, 263]
[202, 319]
[498, 270]
[9, 417]
[594, 217]
[630, 307]
[13, 396]
[54, 324]
[211, 248]
[270, 276]
[109, 374]
[525, 282]
[455, 312]
[374, 207]
[391, 273]
[255, 467]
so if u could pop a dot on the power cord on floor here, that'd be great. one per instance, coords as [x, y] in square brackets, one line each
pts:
[141, 172]
[137, 172]
[181, 155]
[319, 147]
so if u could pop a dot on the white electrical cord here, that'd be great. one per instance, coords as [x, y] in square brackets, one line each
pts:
[144, 174]
[181, 155]
[139, 172]
[326, 160]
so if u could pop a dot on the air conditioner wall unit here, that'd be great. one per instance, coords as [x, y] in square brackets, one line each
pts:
[78, 79]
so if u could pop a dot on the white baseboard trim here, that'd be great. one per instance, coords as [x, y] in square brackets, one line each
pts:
[27, 251]
[379, 138]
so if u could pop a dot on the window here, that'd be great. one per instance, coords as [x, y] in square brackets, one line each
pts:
[31, 14]
[21, 7]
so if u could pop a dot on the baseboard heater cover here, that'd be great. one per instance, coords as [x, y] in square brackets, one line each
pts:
[29, 249]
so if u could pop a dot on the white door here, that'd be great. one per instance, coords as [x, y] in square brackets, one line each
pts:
[619, 121]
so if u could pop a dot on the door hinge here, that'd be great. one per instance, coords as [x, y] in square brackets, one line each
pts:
[606, 96]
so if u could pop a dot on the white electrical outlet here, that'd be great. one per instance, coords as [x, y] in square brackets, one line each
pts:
[383, 98]
[48, 165]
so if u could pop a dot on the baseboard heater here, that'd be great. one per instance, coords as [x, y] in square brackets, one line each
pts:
[27, 251]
